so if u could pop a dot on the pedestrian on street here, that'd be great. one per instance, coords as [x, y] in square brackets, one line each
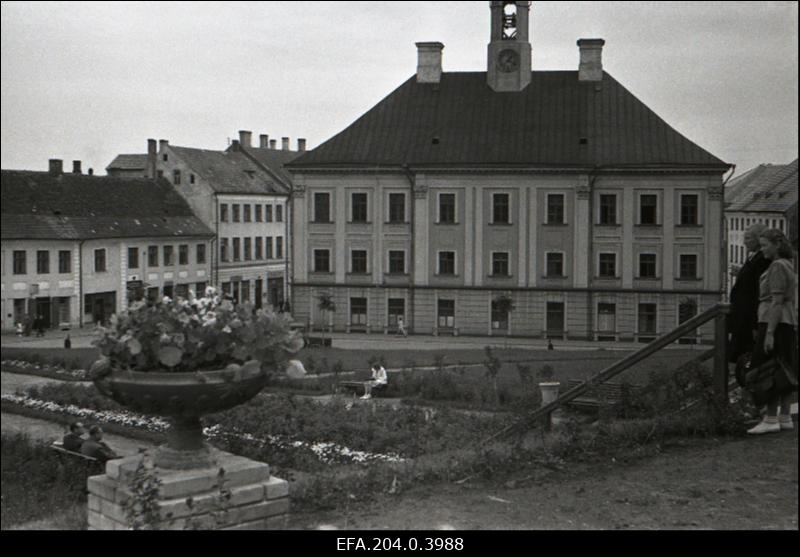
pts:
[401, 326]
[67, 342]
[550, 344]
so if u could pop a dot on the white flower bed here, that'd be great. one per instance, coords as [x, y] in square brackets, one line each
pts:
[23, 366]
[326, 452]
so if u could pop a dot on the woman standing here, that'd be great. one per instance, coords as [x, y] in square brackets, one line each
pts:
[777, 323]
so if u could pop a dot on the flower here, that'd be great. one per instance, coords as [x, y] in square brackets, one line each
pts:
[183, 335]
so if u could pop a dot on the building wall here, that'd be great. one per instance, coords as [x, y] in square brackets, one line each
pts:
[527, 239]
[736, 223]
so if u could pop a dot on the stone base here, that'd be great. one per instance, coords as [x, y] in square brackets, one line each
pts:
[257, 500]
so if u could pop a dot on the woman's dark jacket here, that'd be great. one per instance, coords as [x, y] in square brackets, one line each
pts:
[743, 319]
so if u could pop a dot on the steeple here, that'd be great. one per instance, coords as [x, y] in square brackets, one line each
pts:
[509, 58]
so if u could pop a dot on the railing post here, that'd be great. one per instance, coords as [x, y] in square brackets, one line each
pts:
[721, 354]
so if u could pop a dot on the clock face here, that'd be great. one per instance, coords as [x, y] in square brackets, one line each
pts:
[507, 61]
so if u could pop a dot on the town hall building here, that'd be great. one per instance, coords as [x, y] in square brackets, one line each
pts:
[557, 191]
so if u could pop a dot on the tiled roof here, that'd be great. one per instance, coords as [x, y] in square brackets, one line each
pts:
[767, 188]
[128, 162]
[557, 121]
[37, 205]
[228, 171]
[274, 160]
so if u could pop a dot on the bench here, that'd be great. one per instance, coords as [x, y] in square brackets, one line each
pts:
[90, 465]
[356, 386]
[604, 394]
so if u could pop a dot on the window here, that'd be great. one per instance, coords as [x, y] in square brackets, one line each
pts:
[687, 309]
[648, 209]
[647, 265]
[237, 249]
[278, 213]
[606, 318]
[100, 260]
[446, 314]
[500, 264]
[223, 249]
[608, 209]
[278, 247]
[397, 207]
[43, 262]
[200, 254]
[259, 253]
[245, 290]
[358, 311]
[19, 262]
[247, 213]
[555, 318]
[168, 256]
[689, 209]
[499, 318]
[176, 177]
[447, 208]
[688, 266]
[168, 290]
[647, 318]
[133, 258]
[358, 206]
[268, 247]
[268, 213]
[64, 261]
[248, 254]
[191, 178]
[152, 256]
[397, 308]
[322, 261]
[555, 208]
[358, 261]
[183, 254]
[200, 288]
[555, 264]
[397, 262]
[164, 157]
[259, 212]
[236, 210]
[322, 207]
[500, 211]
[223, 212]
[608, 265]
[447, 263]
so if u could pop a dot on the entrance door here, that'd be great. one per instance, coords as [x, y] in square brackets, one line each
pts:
[43, 312]
[259, 293]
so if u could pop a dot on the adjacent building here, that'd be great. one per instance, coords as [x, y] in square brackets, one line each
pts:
[557, 189]
[128, 166]
[78, 248]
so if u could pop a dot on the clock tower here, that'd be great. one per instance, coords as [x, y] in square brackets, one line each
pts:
[509, 59]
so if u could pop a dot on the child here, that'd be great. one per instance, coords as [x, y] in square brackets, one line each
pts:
[379, 377]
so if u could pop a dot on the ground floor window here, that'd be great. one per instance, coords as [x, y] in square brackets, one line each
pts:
[555, 318]
[647, 318]
[200, 289]
[182, 291]
[152, 295]
[606, 318]
[100, 306]
[358, 311]
[446, 314]
[397, 309]
[275, 291]
[499, 317]
[169, 291]
[245, 291]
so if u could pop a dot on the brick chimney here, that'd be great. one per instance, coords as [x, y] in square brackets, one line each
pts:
[152, 157]
[301, 144]
[285, 143]
[263, 141]
[591, 59]
[91, 172]
[273, 143]
[244, 137]
[162, 143]
[429, 62]
[56, 167]
[76, 167]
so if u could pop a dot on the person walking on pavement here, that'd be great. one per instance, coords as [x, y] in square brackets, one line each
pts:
[401, 326]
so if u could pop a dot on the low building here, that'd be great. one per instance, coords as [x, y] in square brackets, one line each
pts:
[78, 248]
[128, 166]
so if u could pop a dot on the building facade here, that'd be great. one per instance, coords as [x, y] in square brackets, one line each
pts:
[77, 249]
[558, 190]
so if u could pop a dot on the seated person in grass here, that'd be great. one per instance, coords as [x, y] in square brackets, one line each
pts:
[379, 378]
[95, 447]
[74, 439]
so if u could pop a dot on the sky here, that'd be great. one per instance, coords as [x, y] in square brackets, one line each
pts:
[89, 80]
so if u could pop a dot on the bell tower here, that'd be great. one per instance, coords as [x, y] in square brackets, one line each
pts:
[509, 58]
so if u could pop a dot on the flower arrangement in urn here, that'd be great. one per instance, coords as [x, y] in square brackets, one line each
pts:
[185, 358]
[195, 334]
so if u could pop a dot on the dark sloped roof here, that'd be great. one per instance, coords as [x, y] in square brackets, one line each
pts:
[37, 205]
[543, 125]
[228, 171]
[767, 188]
[128, 162]
[275, 160]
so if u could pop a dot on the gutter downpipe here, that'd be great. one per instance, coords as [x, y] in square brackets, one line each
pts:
[593, 176]
[724, 238]
[80, 283]
[215, 258]
[289, 249]
[411, 255]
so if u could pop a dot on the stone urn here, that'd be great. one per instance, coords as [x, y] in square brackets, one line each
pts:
[183, 398]
[549, 391]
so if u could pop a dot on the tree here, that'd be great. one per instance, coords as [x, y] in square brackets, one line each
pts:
[326, 305]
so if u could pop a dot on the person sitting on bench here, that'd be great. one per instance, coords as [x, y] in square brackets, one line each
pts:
[379, 379]
[74, 439]
[96, 448]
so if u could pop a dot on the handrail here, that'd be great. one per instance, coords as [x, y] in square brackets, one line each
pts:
[718, 312]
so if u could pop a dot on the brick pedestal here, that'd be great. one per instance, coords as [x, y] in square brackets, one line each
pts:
[258, 501]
